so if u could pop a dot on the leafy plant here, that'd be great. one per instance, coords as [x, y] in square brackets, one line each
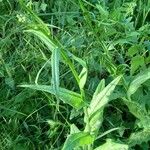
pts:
[84, 69]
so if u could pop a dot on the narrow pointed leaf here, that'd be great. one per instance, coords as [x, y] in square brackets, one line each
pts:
[102, 98]
[84, 72]
[46, 40]
[99, 101]
[99, 88]
[69, 97]
[55, 70]
[82, 78]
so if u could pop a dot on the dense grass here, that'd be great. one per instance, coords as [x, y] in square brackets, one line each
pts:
[74, 70]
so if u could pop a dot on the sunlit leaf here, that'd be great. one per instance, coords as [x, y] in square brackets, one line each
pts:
[77, 139]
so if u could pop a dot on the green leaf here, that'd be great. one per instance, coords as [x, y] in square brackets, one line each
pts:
[82, 78]
[139, 137]
[52, 47]
[99, 88]
[43, 37]
[136, 109]
[84, 72]
[136, 83]
[95, 110]
[133, 50]
[74, 129]
[111, 145]
[77, 139]
[139, 112]
[55, 70]
[69, 97]
[136, 62]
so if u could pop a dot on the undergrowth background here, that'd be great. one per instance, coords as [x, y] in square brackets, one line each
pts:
[111, 36]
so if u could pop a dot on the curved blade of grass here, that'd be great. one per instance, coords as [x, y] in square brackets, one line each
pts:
[77, 139]
[39, 72]
[67, 96]
[107, 132]
[136, 83]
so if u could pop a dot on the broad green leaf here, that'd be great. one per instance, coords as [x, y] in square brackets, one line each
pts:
[77, 139]
[133, 50]
[136, 62]
[111, 145]
[136, 83]
[69, 97]
[43, 37]
[95, 110]
[139, 137]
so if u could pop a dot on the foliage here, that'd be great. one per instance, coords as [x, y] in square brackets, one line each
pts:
[74, 74]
